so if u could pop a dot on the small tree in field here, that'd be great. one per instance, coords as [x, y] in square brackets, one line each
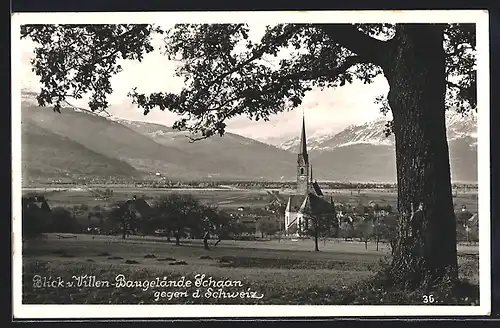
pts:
[83, 207]
[365, 230]
[318, 223]
[177, 213]
[346, 228]
[209, 222]
[121, 215]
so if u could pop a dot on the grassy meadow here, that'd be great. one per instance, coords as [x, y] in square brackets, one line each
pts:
[278, 272]
[282, 272]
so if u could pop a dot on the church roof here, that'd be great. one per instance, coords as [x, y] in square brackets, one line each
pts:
[295, 202]
[310, 204]
[317, 189]
[321, 204]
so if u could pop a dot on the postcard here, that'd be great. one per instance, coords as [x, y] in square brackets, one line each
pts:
[250, 164]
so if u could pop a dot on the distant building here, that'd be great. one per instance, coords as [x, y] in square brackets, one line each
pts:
[138, 206]
[308, 199]
[35, 202]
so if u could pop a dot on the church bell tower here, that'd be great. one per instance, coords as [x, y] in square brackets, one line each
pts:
[303, 172]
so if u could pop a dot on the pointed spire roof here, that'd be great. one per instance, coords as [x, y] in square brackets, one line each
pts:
[317, 189]
[303, 140]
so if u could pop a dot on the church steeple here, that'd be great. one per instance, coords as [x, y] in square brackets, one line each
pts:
[303, 168]
[303, 142]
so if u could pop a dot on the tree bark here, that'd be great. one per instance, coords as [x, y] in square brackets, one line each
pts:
[425, 250]
[205, 241]
[124, 231]
[377, 236]
[177, 239]
[316, 237]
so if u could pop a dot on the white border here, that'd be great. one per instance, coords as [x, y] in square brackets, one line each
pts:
[480, 17]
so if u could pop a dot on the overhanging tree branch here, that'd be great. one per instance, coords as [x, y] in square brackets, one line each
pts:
[317, 72]
[358, 42]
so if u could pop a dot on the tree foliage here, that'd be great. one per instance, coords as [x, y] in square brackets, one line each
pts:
[228, 74]
[63, 221]
[73, 60]
[122, 216]
[35, 221]
[178, 214]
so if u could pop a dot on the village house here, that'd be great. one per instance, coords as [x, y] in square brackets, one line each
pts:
[36, 202]
[140, 207]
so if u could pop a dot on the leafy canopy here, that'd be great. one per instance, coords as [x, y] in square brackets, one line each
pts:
[226, 73]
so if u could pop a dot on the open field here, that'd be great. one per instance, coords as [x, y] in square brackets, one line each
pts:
[232, 198]
[285, 272]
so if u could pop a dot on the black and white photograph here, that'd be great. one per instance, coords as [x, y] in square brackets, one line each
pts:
[250, 164]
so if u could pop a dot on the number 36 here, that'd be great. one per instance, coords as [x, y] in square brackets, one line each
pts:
[427, 299]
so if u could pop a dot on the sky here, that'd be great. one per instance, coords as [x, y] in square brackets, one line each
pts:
[326, 111]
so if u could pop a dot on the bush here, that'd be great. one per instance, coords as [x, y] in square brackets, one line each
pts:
[35, 222]
[380, 290]
[63, 221]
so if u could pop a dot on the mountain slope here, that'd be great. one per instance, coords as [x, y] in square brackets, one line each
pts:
[47, 155]
[152, 148]
[110, 139]
[230, 153]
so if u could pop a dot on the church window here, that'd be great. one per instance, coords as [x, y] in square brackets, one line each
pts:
[301, 170]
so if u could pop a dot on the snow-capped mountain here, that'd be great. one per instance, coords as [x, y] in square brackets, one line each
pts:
[372, 133]
[364, 153]
[313, 142]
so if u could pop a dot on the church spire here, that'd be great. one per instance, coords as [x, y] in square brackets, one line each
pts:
[303, 168]
[303, 144]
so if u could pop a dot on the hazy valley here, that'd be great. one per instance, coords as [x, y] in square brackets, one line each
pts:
[80, 144]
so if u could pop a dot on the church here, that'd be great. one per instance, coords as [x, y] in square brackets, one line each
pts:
[308, 199]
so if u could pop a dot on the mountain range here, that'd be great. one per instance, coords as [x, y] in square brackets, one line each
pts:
[77, 143]
[365, 151]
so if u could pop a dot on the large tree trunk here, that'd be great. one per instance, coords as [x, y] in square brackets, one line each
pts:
[425, 250]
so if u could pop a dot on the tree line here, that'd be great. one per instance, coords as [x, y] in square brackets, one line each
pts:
[175, 216]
